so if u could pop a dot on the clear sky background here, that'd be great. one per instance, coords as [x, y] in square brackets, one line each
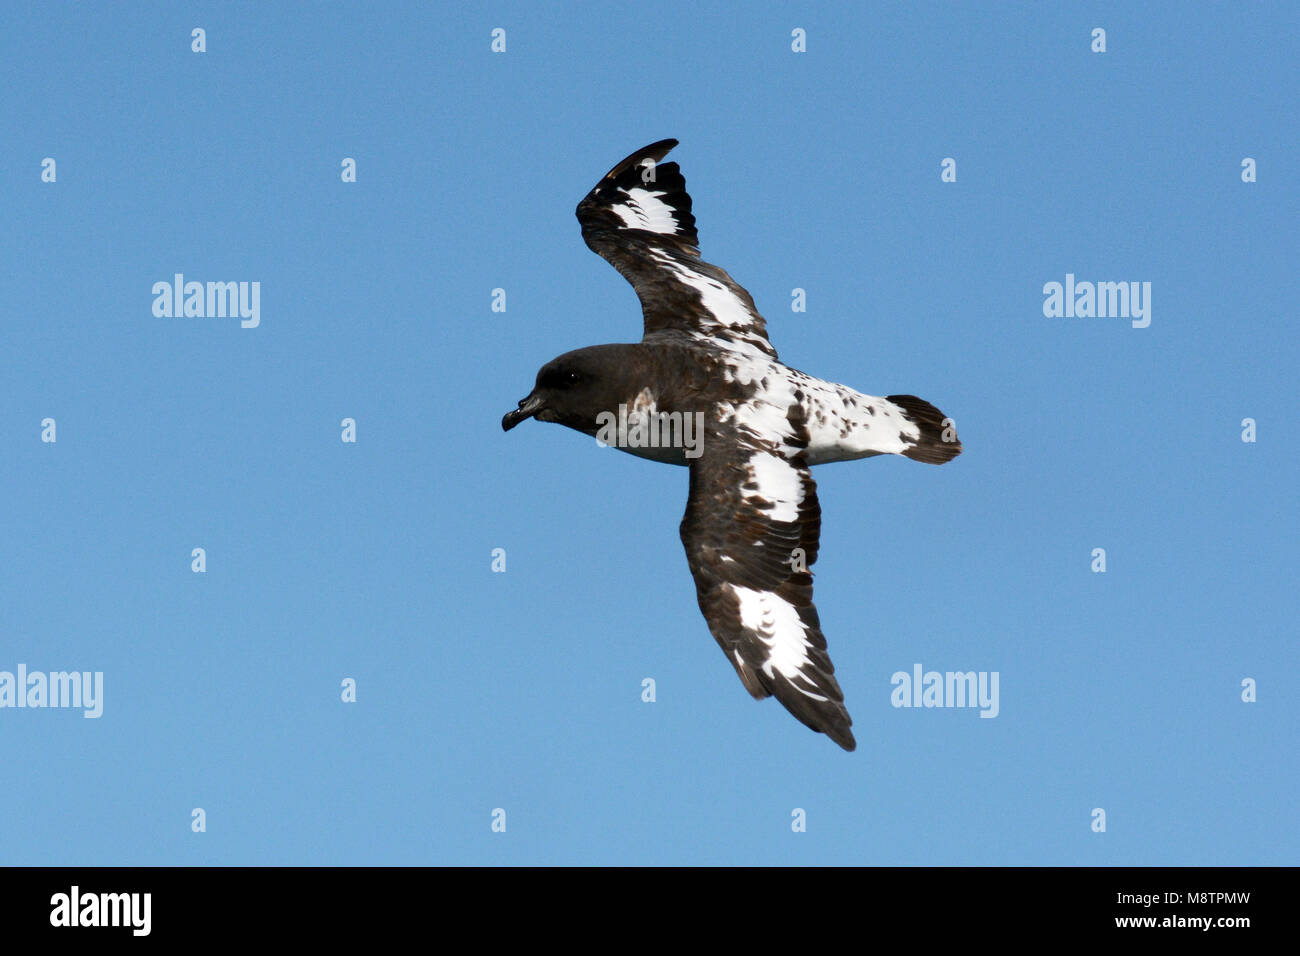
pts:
[522, 690]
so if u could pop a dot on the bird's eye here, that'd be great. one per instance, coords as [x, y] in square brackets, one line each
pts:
[571, 378]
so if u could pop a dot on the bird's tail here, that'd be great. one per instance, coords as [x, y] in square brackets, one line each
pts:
[938, 440]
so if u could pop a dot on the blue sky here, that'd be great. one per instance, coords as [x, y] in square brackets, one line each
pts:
[522, 690]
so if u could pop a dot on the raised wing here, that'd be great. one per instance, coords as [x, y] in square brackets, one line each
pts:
[638, 217]
[751, 530]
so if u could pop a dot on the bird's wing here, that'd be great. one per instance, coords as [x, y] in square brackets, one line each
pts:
[751, 529]
[638, 217]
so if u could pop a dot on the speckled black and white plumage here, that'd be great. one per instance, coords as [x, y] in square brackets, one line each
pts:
[752, 517]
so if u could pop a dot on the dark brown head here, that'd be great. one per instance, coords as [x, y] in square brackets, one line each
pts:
[576, 387]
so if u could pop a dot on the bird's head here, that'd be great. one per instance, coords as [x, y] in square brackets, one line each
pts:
[572, 390]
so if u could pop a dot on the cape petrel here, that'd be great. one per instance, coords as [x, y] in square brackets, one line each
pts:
[752, 518]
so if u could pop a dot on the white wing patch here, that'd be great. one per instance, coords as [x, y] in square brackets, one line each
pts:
[721, 302]
[646, 210]
[766, 414]
[774, 485]
[725, 311]
[779, 627]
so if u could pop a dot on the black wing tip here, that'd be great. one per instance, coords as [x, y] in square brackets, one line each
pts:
[835, 725]
[842, 736]
[600, 224]
[829, 717]
[655, 151]
[835, 722]
[663, 144]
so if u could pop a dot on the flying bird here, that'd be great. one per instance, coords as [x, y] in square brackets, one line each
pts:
[704, 388]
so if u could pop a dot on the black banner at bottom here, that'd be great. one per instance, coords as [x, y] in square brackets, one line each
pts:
[92, 905]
